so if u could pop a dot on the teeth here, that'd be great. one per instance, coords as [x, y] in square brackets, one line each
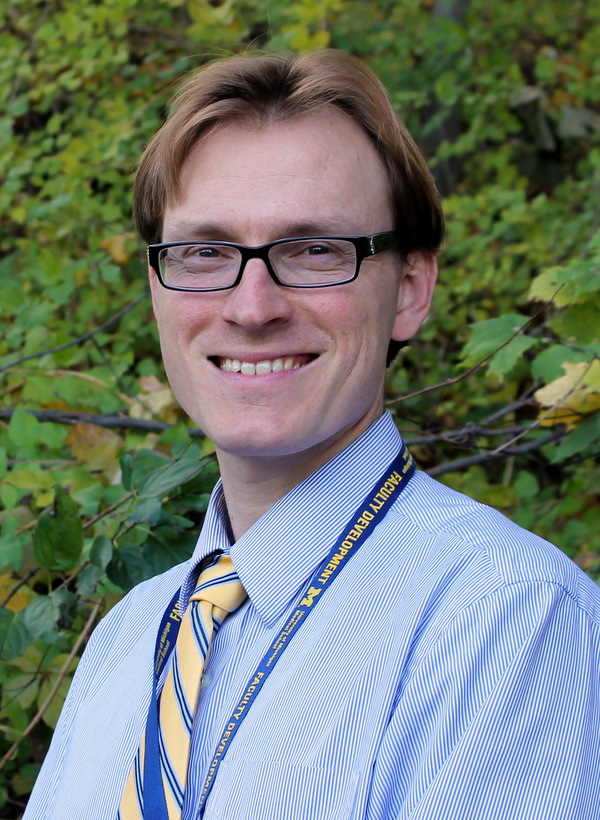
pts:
[263, 367]
[259, 368]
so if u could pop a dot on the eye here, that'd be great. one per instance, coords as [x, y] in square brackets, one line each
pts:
[202, 252]
[319, 250]
[322, 252]
[204, 257]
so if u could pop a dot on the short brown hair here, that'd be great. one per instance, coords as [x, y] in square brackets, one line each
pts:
[267, 89]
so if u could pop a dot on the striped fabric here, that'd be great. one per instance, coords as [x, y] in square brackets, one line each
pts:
[451, 671]
[218, 593]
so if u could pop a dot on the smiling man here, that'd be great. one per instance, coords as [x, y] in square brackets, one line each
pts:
[350, 639]
[282, 378]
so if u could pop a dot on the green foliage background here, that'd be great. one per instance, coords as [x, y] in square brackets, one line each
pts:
[101, 481]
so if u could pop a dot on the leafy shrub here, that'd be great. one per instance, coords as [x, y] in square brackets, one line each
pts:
[102, 483]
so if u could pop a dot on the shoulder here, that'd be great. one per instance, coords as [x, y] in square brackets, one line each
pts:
[483, 546]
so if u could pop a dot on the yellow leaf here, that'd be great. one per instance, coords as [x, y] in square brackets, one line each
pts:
[150, 384]
[546, 288]
[20, 599]
[18, 214]
[28, 480]
[96, 446]
[156, 400]
[57, 663]
[320, 39]
[117, 247]
[44, 500]
[30, 661]
[572, 396]
[22, 781]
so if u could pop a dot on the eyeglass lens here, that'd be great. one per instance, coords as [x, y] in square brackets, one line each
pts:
[300, 262]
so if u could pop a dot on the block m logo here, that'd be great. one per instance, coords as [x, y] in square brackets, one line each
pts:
[310, 596]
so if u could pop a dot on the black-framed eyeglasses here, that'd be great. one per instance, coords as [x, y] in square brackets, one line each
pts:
[297, 262]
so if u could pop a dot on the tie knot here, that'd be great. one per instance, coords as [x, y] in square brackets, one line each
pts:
[220, 585]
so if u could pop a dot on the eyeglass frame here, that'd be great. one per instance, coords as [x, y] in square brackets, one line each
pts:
[365, 247]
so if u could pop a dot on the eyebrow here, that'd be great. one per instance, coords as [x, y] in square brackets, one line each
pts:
[181, 230]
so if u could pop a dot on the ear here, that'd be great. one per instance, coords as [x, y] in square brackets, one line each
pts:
[419, 275]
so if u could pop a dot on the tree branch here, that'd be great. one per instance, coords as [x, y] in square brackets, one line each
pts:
[74, 342]
[102, 420]
[478, 458]
[477, 366]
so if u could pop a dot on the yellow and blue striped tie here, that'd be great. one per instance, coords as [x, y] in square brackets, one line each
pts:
[218, 592]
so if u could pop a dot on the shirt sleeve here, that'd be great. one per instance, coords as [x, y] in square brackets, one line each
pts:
[499, 716]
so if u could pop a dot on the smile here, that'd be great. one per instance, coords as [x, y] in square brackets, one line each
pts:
[264, 366]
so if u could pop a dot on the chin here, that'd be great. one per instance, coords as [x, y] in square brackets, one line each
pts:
[257, 448]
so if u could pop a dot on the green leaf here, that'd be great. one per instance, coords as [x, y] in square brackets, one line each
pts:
[58, 536]
[526, 485]
[88, 580]
[23, 428]
[101, 551]
[23, 690]
[40, 616]
[580, 323]
[6, 618]
[168, 478]
[148, 511]
[567, 285]
[547, 365]
[9, 498]
[16, 639]
[64, 601]
[505, 359]
[579, 439]
[12, 546]
[126, 568]
[165, 548]
[126, 462]
[491, 335]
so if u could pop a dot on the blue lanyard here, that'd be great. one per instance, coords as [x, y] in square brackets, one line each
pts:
[370, 513]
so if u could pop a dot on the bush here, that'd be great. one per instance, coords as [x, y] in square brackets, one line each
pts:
[102, 480]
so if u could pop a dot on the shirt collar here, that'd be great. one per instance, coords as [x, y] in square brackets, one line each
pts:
[276, 557]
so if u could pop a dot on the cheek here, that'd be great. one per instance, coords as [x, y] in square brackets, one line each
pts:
[180, 317]
[178, 328]
[369, 325]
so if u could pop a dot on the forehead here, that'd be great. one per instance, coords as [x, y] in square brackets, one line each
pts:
[320, 171]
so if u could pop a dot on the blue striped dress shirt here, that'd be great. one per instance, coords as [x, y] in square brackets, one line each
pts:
[452, 670]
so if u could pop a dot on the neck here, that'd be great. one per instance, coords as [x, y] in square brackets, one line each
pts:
[253, 484]
[251, 490]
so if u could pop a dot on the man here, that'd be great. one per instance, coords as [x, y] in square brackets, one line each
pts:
[403, 652]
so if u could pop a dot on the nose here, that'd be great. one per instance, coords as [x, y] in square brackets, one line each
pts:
[258, 300]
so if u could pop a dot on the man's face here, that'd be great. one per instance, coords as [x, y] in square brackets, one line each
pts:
[316, 175]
